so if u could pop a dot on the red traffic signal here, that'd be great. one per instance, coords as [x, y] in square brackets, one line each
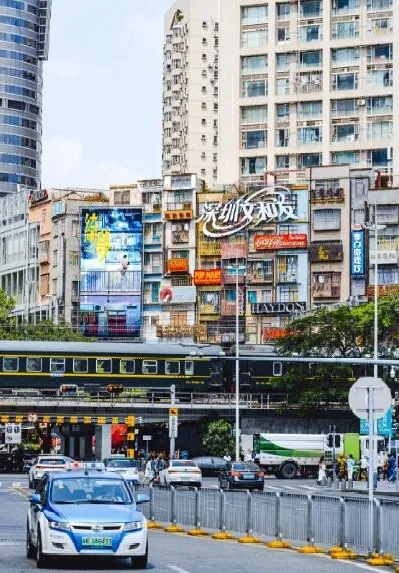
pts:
[69, 389]
[115, 388]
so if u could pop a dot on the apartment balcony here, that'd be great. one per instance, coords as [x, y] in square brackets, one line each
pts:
[233, 250]
[209, 248]
[228, 308]
[44, 258]
[289, 277]
[327, 194]
[205, 308]
[377, 5]
[309, 84]
[230, 278]
[152, 239]
[152, 209]
[259, 278]
[326, 291]
[179, 211]
[153, 269]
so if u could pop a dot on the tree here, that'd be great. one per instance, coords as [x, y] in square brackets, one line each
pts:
[217, 437]
[342, 332]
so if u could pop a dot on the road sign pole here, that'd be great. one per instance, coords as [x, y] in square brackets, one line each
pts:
[172, 436]
[371, 467]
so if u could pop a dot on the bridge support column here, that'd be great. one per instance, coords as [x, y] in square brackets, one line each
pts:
[103, 441]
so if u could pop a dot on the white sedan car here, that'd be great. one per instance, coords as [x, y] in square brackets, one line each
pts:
[181, 472]
[47, 463]
[126, 467]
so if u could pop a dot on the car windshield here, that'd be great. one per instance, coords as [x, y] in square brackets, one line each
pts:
[245, 467]
[85, 489]
[51, 461]
[182, 463]
[122, 463]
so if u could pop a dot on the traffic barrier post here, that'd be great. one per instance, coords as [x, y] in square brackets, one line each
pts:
[173, 527]
[249, 538]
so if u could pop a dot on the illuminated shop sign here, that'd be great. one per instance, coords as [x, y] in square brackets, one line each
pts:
[206, 277]
[268, 205]
[273, 242]
[358, 257]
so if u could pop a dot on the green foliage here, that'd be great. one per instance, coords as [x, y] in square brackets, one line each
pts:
[217, 437]
[343, 332]
[45, 330]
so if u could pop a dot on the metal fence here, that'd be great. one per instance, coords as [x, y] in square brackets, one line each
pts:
[315, 519]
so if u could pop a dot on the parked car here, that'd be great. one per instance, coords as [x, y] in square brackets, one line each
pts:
[89, 513]
[210, 465]
[242, 475]
[47, 463]
[181, 472]
[123, 466]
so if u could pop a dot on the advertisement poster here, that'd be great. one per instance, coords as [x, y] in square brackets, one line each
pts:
[358, 247]
[110, 272]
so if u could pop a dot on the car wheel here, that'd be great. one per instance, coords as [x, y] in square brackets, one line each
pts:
[141, 561]
[41, 559]
[30, 548]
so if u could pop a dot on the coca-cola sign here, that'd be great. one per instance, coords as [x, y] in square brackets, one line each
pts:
[274, 242]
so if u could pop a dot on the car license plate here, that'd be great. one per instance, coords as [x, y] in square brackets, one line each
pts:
[96, 541]
[248, 476]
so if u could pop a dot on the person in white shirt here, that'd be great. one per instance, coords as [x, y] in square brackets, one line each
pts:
[227, 457]
[350, 463]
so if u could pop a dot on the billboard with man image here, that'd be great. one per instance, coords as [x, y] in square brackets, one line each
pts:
[111, 271]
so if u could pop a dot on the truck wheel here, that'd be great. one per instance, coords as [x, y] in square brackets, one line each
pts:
[288, 470]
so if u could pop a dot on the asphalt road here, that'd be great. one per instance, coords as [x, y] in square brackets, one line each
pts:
[169, 553]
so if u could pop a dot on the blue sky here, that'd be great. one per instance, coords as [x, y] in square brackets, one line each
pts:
[103, 92]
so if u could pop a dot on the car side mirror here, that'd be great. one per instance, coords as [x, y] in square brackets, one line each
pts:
[34, 499]
[142, 498]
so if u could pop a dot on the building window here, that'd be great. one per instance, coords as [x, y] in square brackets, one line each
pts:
[254, 64]
[253, 165]
[345, 157]
[178, 318]
[289, 294]
[344, 81]
[55, 258]
[189, 367]
[253, 114]
[287, 269]
[309, 135]
[254, 38]
[253, 139]
[326, 285]
[74, 258]
[251, 15]
[10, 364]
[55, 289]
[327, 220]
[122, 197]
[180, 232]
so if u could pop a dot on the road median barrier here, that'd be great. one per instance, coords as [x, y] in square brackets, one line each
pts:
[385, 559]
[222, 535]
[154, 525]
[197, 532]
[310, 549]
[278, 544]
[342, 553]
[249, 539]
[173, 529]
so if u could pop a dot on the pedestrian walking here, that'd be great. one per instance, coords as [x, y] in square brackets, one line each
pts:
[391, 468]
[147, 472]
[227, 457]
[321, 478]
[350, 464]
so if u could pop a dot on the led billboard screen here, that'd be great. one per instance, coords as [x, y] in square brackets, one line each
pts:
[111, 272]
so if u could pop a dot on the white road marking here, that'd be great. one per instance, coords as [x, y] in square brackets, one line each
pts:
[273, 487]
[16, 484]
[362, 566]
[177, 569]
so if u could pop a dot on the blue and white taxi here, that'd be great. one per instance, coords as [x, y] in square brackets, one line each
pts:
[86, 512]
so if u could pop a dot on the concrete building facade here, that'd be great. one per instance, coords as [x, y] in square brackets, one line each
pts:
[307, 83]
[191, 89]
[24, 42]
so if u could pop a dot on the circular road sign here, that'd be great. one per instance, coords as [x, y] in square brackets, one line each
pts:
[359, 397]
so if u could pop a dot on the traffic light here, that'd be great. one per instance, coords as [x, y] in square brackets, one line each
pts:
[337, 440]
[115, 388]
[330, 440]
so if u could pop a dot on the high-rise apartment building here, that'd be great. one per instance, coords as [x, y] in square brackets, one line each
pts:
[191, 89]
[306, 83]
[24, 40]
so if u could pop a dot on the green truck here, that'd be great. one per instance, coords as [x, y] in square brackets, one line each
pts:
[292, 455]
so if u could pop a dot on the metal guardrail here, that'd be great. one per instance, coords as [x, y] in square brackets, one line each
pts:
[316, 519]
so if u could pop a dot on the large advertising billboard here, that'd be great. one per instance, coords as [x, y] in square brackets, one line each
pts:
[111, 271]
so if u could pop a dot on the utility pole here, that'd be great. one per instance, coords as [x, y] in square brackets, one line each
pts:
[172, 436]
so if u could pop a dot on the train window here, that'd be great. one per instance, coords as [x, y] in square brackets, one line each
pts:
[104, 366]
[189, 367]
[277, 369]
[57, 364]
[172, 367]
[80, 365]
[33, 364]
[127, 367]
[150, 366]
[10, 364]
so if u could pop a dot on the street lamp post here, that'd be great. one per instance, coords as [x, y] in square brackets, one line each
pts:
[237, 269]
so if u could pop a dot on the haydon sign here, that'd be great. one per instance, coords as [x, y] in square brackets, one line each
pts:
[267, 205]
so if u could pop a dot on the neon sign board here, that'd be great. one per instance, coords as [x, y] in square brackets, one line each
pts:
[267, 205]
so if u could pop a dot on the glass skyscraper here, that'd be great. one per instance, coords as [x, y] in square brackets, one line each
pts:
[24, 41]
